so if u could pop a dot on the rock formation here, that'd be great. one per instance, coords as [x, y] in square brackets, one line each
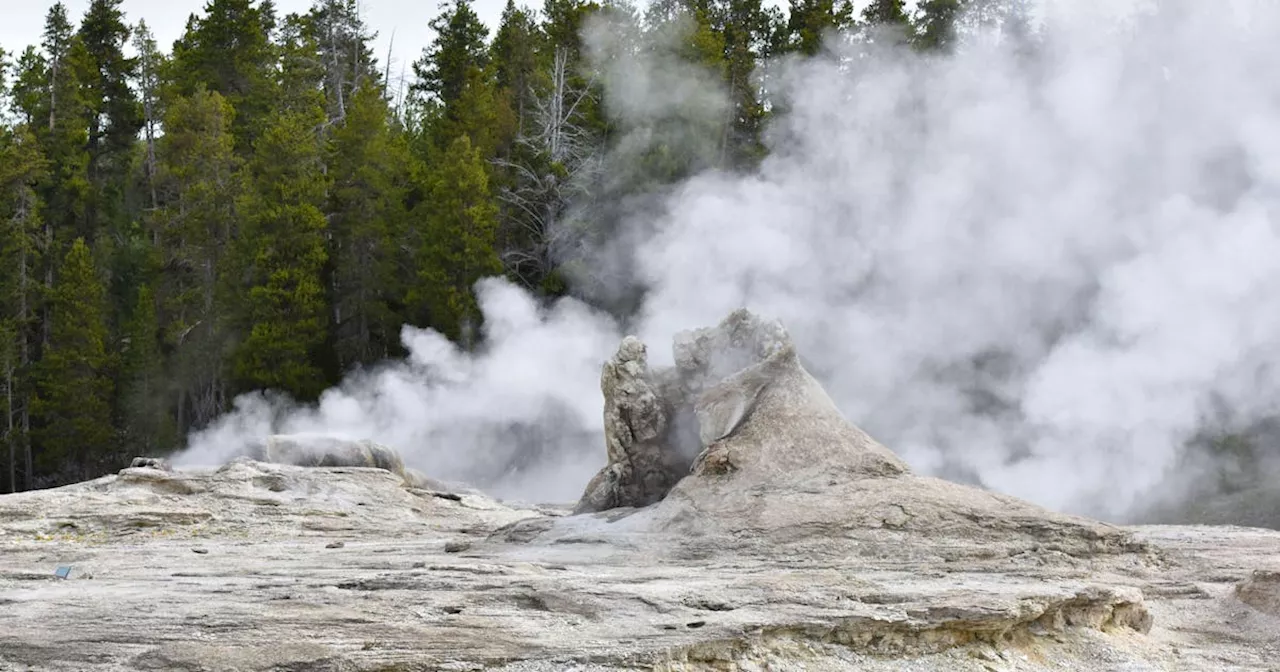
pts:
[659, 424]
[774, 461]
[1261, 591]
[641, 429]
[149, 463]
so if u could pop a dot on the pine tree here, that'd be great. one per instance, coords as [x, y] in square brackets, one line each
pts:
[342, 41]
[560, 135]
[229, 51]
[456, 54]
[563, 24]
[284, 313]
[21, 169]
[59, 45]
[369, 164]
[142, 408]
[61, 128]
[571, 88]
[1014, 17]
[689, 139]
[194, 227]
[11, 434]
[28, 90]
[113, 112]
[746, 28]
[937, 24]
[888, 19]
[456, 90]
[150, 64]
[72, 404]
[811, 21]
[300, 80]
[52, 87]
[455, 248]
[514, 54]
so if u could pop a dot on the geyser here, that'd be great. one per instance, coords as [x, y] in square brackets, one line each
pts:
[1042, 270]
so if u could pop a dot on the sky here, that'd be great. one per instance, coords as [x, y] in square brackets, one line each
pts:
[405, 19]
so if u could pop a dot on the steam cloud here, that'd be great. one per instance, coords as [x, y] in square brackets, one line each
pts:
[1042, 275]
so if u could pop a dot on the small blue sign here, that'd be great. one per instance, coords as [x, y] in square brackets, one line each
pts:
[63, 572]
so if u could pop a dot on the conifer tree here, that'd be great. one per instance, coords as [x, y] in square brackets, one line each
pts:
[52, 86]
[28, 90]
[560, 135]
[563, 21]
[12, 435]
[142, 410]
[284, 312]
[112, 110]
[514, 54]
[61, 126]
[21, 169]
[72, 405]
[691, 138]
[150, 64]
[301, 72]
[747, 28]
[194, 229]
[810, 21]
[369, 164]
[455, 247]
[457, 52]
[342, 43]
[229, 51]
[937, 24]
[888, 19]
[455, 89]
[569, 76]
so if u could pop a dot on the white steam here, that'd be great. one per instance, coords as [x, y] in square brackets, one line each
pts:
[1042, 275]
[521, 416]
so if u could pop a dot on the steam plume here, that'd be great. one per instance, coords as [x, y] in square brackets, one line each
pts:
[1043, 274]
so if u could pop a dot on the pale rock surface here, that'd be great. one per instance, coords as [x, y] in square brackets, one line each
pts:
[1261, 591]
[796, 542]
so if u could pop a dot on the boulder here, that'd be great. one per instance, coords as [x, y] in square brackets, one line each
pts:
[150, 463]
[1261, 591]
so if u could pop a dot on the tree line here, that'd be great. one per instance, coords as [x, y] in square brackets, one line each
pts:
[265, 204]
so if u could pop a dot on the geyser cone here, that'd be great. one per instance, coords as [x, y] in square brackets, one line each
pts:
[778, 459]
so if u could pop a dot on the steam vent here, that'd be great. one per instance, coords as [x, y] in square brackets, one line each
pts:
[737, 439]
[740, 523]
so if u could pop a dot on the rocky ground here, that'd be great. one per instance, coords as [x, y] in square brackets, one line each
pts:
[272, 567]
[795, 542]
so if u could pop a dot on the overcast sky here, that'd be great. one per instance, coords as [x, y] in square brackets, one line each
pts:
[21, 21]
